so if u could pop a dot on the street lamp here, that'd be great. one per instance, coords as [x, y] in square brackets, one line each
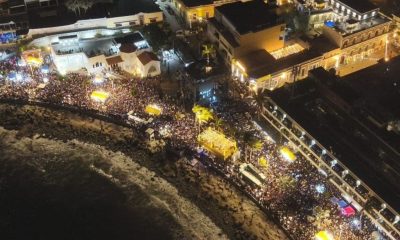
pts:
[358, 183]
[312, 143]
[396, 219]
[386, 49]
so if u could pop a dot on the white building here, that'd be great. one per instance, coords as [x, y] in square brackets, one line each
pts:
[87, 50]
[112, 24]
[148, 64]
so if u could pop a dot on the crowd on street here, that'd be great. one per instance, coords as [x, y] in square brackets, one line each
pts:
[297, 195]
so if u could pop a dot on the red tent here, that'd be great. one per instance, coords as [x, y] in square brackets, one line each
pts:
[348, 211]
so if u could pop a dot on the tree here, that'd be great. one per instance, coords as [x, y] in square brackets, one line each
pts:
[208, 50]
[218, 124]
[77, 5]
[157, 38]
[256, 145]
[202, 114]
[247, 139]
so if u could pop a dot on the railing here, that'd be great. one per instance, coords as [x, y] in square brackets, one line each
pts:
[388, 227]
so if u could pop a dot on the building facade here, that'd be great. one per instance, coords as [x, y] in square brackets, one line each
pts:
[197, 11]
[236, 36]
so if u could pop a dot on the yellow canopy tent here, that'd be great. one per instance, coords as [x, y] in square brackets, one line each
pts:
[99, 96]
[287, 154]
[217, 143]
[324, 235]
[34, 60]
[153, 109]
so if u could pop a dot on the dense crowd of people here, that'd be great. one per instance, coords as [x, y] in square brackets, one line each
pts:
[290, 190]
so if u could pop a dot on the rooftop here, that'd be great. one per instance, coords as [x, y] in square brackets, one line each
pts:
[352, 26]
[261, 63]
[130, 38]
[251, 16]
[127, 48]
[195, 3]
[90, 47]
[114, 60]
[146, 57]
[361, 6]
[338, 113]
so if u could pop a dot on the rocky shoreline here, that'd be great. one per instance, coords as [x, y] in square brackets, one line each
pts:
[235, 215]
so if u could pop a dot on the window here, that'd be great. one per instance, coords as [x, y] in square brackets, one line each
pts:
[280, 38]
[207, 15]
[282, 28]
[153, 20]
[118, 25]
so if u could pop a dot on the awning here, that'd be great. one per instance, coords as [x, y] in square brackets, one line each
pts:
[348, 211]
[323, 235]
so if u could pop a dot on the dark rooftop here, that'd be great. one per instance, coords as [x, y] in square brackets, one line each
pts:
[361, 6]
[129, 7]
[195, 3]
[251, 16]
[130, 38]
[338, 112]
[146, 57]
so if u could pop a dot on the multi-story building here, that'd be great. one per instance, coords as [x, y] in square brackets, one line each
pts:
[197, 10]
[261, 69]
[36, 18]
[97, 50]
[14, 17]
[242, 27]
[356, 35]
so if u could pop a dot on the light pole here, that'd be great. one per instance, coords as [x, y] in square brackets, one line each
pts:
[386, 48]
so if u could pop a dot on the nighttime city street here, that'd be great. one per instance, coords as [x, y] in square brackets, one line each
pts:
[200, 119]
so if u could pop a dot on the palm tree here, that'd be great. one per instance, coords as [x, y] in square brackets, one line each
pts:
[247, 139]
[208, 50]
[202, 114]
[77, 5]
[218, 124]
[256, 145]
